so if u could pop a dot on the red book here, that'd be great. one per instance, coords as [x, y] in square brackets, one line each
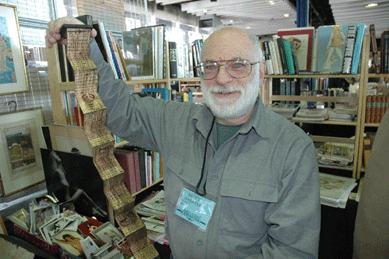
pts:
[137, 171]
[126, 161]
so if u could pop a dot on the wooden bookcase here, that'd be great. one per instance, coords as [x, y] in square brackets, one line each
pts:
[358, 125]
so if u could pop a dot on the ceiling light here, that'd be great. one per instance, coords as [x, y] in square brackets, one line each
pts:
[272, 2]
[286, 15]
[371, 5]
[248, 27]
[204, 11]
[231, 21]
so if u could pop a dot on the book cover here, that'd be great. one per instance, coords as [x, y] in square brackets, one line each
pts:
[137, 171]
[303, 42]
[138, 52]
[294, 56]
[349, 49]
[126, 161]
[142, 167]
[331, 43]
[115, 56]
[358, 48]
[128, 76]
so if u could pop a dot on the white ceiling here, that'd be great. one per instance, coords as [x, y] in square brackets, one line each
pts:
[354, 11]
[264, 18]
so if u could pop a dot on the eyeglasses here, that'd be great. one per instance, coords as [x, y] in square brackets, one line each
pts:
[238, 68]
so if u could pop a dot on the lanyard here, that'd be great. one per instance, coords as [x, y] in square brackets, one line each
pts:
[202, 191]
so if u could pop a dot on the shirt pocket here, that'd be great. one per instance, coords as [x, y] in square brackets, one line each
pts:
[243, 206]
[180, 174]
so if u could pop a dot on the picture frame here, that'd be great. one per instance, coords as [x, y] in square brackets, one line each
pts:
[303, 40]
[108, 233]
[70, 241]
[3, 229]
[13, 75]
[20, 218]
[41, 214]
[21, 139]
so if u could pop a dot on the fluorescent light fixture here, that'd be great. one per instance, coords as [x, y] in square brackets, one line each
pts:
[272, 2]
[371, 5]
[286, 15]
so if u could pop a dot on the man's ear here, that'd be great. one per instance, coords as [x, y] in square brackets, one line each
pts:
[262, 72]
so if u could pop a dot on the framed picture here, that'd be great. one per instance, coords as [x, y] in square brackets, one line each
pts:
[13, 76]
[20, 218]
[303, 41]
[87, 227]
[21, 139]
[70, 241]
[108, 233]
[3, 230]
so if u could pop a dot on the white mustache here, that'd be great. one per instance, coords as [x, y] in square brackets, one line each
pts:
[224, 89]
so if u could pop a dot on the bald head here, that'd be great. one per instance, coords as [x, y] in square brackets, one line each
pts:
[232, 40]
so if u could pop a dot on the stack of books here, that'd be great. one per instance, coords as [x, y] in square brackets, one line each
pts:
[335, 190]
[311, 115]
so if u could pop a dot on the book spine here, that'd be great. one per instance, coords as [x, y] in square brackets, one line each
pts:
[268, 60]
[349, 50]
[294, 55]
[173, 59]
[374, 48]
[358, 48]
[277, 53]
[385, 52]
[289, 57]
[314, 53]
[274, 58]
[281, 48]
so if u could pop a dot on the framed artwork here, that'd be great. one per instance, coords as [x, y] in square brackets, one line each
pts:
[20, 218]
[108, 233]
[13, 76]
[303, 41]
[21, 139]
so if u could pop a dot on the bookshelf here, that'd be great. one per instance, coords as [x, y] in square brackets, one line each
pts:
[358, 125]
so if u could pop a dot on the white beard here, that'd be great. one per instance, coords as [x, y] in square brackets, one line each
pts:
[231, 108]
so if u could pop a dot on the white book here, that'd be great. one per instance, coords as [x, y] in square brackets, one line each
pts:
[107, 47]
[274, 58]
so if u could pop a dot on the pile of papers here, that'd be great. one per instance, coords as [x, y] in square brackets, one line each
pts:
[285, 110]
[337, 154]
[311, 115]
[335, 190]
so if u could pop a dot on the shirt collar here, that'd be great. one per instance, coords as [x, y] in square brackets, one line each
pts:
[202, 120]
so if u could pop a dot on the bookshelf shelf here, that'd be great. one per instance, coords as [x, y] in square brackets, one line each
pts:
[148, 187]
[313, 76]
[314, 98]
[347, 168]
[377, 75]
[148, 81]
[344, 123]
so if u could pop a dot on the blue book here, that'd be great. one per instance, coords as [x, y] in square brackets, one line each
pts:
[358, 48]
[164, 92]
[331, 41]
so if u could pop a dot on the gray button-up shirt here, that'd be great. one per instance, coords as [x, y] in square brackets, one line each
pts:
[264, 180]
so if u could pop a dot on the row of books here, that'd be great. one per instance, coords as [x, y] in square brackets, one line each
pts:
[380, 60]
[330, 49]
[141, 167]
[376, 106]
[184, 58]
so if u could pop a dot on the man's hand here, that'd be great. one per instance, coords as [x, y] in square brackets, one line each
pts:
[52, 33]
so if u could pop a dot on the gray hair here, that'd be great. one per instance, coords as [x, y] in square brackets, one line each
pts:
[257, 45]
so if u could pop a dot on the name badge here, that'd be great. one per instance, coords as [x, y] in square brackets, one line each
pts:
[195, 208]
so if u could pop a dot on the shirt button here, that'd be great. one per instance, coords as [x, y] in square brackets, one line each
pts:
[214, 176]
[199, 242]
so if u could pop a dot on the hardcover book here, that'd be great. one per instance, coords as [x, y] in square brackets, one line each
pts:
[358, 48]
[303, 42]
[173, 59]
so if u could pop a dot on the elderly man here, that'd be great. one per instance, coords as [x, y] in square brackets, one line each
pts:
[240, 181]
